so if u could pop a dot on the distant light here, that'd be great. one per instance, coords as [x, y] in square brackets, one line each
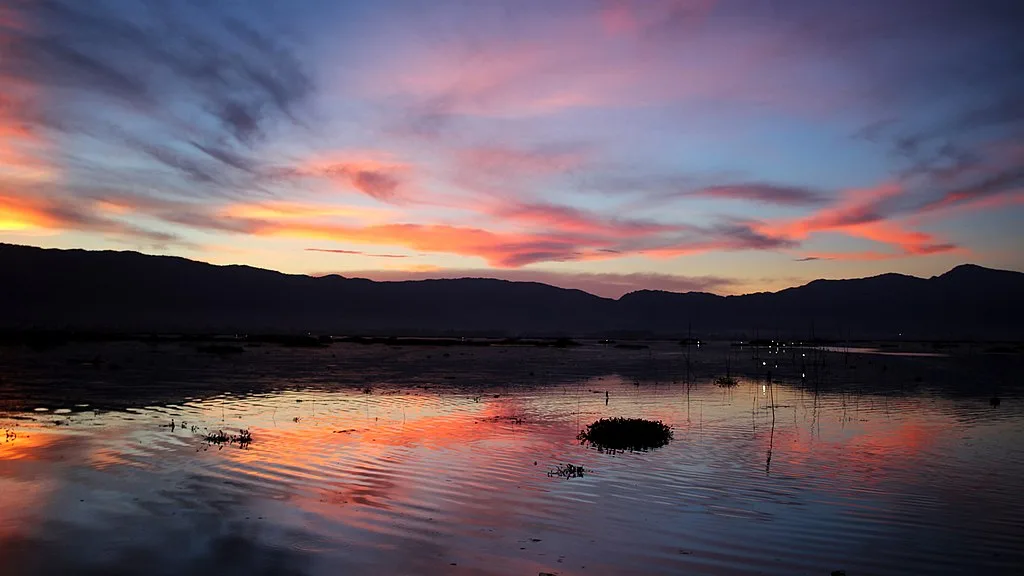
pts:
[763, 388]
[764, 363]
[804, 355]
[804, 375]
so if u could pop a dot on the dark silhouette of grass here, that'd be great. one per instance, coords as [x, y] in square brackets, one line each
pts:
[620, 434]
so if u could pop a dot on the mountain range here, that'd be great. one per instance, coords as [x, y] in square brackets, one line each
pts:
[49, 289]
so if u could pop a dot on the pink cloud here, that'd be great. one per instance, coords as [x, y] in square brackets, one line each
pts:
[632, 17]
[578, 62]
[519, 163]
[374, 173]
[617, 17]
[574, 220]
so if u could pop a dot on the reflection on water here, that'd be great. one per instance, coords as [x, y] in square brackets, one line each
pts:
[879, 351]
[760, 478]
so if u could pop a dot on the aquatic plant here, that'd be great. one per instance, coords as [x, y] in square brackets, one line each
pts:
[218, 437]
[243, 438]
[567, 471]
[619, 434]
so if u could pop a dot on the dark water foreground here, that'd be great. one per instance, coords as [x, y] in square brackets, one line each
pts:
[376, 460]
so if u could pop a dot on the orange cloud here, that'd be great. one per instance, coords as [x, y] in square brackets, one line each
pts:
[39, 212]
[499, 249]
[296, 210]
[17, 214]
[859, 214]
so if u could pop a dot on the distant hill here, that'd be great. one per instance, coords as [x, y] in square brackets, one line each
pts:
[132, 292]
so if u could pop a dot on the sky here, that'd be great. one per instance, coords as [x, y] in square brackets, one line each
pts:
[728, 146]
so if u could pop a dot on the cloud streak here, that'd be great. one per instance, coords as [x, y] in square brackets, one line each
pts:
[356, 253]
[763, 193]
[183, 89]
[25, 214]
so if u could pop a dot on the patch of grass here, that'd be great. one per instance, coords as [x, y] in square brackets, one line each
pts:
[620, 434]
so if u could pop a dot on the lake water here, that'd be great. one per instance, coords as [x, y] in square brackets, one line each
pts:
[370, 460]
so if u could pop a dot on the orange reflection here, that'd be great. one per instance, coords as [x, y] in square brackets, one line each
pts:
[23, 485]
[359, 466]
[24, 443]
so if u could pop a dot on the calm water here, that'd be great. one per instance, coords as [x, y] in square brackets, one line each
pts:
[431, 473]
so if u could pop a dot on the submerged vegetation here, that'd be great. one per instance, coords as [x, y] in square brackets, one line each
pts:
[620, 434]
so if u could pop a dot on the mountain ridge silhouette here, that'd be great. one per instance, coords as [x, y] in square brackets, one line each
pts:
[54, 289]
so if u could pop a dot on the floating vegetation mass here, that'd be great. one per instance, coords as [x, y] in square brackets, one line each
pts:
[620, 434]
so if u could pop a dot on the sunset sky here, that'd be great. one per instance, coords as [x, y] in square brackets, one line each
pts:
[728, 146]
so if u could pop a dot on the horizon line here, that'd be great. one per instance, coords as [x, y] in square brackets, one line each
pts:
[491, 278]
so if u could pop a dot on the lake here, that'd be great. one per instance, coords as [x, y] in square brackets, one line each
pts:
[431, 460]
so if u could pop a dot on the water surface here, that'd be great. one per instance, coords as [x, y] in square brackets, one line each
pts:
[358, 465]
